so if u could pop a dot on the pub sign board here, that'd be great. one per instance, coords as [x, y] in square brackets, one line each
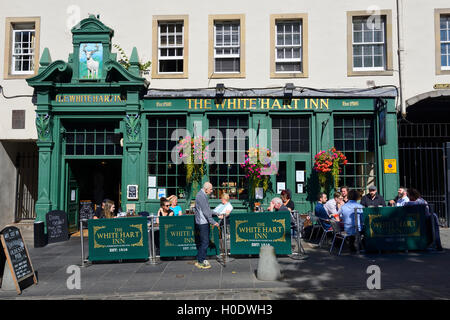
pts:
[177, 237]
[395, 228]
[250, 231]
[57, 226]
[118, 239]
[17, 257]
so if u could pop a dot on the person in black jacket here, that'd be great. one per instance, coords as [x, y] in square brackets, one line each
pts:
[373, 199]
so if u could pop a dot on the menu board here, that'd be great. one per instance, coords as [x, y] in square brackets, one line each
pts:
[57, 226]
[17, 255]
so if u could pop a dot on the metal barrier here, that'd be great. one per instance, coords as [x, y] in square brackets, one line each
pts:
[153, 258]
[301, 253]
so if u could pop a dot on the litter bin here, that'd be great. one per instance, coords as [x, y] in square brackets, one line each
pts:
[40, 238]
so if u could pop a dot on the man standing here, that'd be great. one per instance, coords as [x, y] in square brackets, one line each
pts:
[203, 217]
[373, 199]
[401, 199]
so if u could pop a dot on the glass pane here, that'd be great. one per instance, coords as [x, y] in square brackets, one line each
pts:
[357, 62]
[368, 61]
[357, 37]
[368, 36]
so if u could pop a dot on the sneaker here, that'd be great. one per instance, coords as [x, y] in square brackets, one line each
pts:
[202, 265]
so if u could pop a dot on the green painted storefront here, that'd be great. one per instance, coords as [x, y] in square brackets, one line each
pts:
[100, 133]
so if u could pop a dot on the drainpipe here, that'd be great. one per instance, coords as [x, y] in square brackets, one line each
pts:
[400, 51]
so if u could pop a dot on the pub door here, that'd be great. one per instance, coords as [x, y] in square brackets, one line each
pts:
[72, 199]
[293, 172]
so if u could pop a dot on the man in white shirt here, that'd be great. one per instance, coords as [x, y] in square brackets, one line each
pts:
[332, 206]
[401, 199]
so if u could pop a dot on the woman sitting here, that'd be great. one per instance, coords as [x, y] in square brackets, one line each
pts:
[286, 198]
[165, 210]
[108, 210]
[173, 199]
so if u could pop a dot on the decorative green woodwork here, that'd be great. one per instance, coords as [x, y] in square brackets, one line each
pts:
[43, 127]
[63, 96]
[133, 124]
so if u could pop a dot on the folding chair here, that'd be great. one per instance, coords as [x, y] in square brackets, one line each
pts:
[324, 230]
[315, 224]
[338, 233]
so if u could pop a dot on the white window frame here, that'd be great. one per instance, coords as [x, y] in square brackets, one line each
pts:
[446, 42]
[292, 46]
[168, 46]
[373, 43]
[231, 46]
[32, 48]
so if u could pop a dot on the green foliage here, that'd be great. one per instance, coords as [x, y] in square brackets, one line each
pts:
[125, 61]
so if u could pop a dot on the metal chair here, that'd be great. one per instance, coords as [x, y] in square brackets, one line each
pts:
[315, 224]
[338, 233]
[324, 230]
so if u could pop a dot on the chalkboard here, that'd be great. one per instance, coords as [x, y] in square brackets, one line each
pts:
[57, 226]
[86, 210]
[17, 256]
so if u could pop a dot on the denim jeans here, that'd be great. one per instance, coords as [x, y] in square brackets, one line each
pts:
[201, 240]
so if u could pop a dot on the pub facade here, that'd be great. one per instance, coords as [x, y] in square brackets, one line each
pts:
[104, 132]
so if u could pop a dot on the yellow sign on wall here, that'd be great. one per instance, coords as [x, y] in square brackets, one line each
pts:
[390, 165]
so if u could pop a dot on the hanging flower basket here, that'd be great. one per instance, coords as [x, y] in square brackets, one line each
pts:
[329, 162]
[193, 153]
[258, 169]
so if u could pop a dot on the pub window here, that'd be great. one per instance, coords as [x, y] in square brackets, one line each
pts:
[168, 175]
[22, 48]
[170, 47]
[91, 140]
[288, 46]
[227, 42]
[293, 133]
[445, 41]
[229, 177]
[354, 135]
[369, 43]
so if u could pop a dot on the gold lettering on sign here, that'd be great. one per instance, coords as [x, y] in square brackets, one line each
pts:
[350, 103]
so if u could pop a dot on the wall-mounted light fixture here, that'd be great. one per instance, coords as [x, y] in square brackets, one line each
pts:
[288, 92]
[220, 92]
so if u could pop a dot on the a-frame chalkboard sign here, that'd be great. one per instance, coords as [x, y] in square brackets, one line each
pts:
[18, 261]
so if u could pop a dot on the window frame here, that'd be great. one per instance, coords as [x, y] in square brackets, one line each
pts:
[280, 18]
[212, 20]
[10, 29]
[156, 45]
[440, 70]
[373, 43]
[387, 70]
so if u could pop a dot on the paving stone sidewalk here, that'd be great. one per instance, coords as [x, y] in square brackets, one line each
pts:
[404, 275]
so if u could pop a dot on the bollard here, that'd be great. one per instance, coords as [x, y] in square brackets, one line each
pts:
[268, 267]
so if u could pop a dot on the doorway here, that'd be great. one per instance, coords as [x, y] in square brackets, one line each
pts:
[92, 180]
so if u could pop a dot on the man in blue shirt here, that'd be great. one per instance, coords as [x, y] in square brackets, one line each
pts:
[320, 210]
[347, 214]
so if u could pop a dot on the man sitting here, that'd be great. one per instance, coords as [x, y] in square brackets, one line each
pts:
[320, 211]
[332, 206]
[400, 199]
[277, 205]
[373, 199]
[347, 215]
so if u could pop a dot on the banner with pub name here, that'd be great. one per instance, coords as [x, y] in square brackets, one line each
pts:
[250, 231]
[177, 237]
[118, 239]
[395, 228]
